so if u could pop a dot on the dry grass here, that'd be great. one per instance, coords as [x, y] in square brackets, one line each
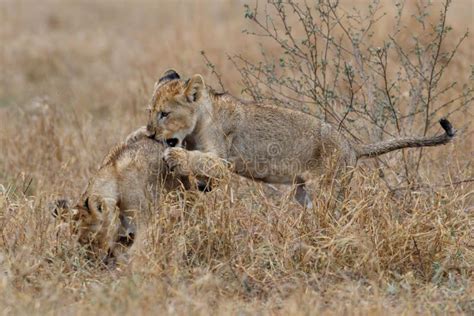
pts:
[75, 76]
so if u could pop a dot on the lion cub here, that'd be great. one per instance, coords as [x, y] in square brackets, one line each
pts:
[130, 180]
[262, 142]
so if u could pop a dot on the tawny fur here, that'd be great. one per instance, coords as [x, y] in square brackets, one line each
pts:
[129, 181]
[262, 142]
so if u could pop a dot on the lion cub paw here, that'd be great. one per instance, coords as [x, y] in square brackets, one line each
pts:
[176, 159]
[136, 135]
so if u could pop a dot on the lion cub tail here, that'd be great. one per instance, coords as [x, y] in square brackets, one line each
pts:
[376, 149]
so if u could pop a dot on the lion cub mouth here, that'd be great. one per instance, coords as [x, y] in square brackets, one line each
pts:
[172, 142]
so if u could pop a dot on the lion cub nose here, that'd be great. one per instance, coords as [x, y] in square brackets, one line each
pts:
[203, 186]
[172, 142]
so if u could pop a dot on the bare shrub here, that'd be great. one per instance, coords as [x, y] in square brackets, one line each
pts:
[334, 63]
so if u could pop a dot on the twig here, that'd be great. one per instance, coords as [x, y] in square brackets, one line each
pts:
[211, 66]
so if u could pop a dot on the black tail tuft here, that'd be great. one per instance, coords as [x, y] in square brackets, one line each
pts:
[448, 128]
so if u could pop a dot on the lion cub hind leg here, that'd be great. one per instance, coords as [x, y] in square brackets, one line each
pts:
[302, 196]
[323, 185]
[329, 189]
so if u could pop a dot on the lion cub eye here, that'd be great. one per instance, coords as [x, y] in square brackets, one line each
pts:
[164, 114]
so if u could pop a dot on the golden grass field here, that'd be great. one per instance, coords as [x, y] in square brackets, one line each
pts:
[75, 80]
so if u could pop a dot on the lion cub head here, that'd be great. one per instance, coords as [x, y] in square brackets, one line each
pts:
[176, 107]
[92, 222]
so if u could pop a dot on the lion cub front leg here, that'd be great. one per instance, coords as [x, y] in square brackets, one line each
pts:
[196, 163]
[177, 160]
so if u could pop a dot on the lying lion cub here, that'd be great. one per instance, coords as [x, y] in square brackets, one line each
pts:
[129, 180]
[262, 142]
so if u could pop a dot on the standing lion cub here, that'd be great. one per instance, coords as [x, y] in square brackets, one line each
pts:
[129, 181]
[262, 142]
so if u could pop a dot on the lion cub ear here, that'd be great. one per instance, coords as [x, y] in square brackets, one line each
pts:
[194, 88]
[168, 75]
[59, 208]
